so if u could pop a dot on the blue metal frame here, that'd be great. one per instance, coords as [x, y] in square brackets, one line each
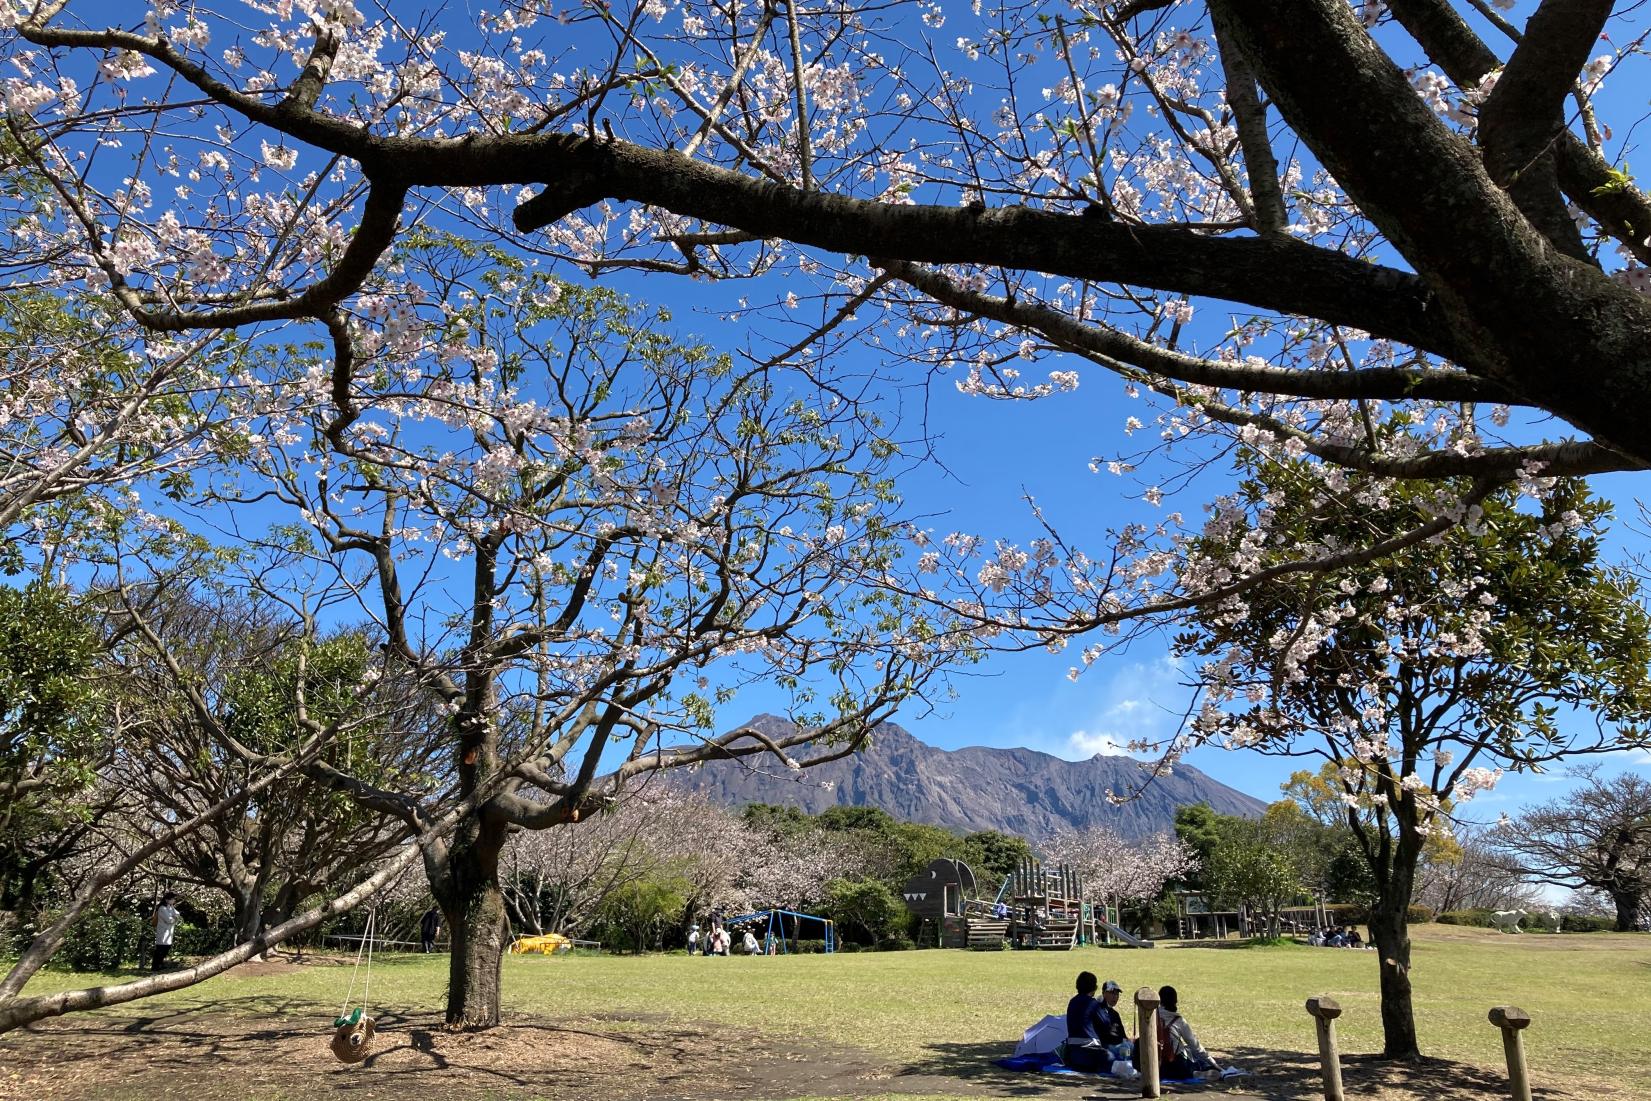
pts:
[773, 916]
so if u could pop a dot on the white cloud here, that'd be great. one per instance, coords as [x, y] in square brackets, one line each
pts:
[1142, 701]
[1086, 744]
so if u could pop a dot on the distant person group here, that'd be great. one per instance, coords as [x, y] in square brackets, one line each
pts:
[1096, 1040]
[714, 942]
[718, 941]
[1336, 936]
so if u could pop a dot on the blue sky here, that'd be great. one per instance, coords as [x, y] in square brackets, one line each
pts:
[995, 452]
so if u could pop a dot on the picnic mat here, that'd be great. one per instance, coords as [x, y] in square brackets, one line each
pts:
[1047, 1062]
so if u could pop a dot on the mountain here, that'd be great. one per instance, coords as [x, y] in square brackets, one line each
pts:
[1019, 791]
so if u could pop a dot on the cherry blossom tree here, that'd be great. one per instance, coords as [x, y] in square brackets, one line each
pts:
[1115, 869]
[1597, 839]
[1422, 678]
[576, 535]
[557, 880]
[792, 871]
[1406, 214]
[1464, 872]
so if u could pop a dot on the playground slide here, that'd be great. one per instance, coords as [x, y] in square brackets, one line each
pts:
[1128, 938]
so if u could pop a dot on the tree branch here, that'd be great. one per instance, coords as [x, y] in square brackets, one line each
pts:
[1273, 273]
[1386, 383]
[1497, 277]
[1522, 114]
[1250, 116]
[1622, 210]
[1522, 118]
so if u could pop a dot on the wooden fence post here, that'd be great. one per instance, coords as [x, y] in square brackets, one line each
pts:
[1512, 1021]
[1146, 1020]
[1325, 1010]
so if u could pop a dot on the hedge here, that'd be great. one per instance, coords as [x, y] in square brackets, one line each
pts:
[103, 941]
[1586, 923]
[1569, 923]
[196, 940]
[1357, 913]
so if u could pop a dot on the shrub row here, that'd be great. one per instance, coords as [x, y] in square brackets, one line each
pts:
[109, 940]
[1356, 913]
[1586, 923]
[103, 941]
[1568, 923]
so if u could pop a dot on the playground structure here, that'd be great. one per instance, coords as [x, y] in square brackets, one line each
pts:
[772, 925]
[1196, 919]
[1035, 907]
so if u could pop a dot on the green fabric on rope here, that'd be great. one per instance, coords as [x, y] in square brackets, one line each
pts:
[366, 945]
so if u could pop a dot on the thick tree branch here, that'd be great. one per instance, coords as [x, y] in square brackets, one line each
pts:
[1250, 116]
[1501, 284]
[16, 1012]
[1522, 115]
[1385, 383]
[313, 78]
[1621, 209]
[1522, 118]
[46, 943]
[1281, 274]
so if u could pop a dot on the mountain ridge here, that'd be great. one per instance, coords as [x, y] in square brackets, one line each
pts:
[1017, 790]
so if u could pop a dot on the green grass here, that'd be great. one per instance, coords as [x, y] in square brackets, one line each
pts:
[1589, 1002]
[1589, 995]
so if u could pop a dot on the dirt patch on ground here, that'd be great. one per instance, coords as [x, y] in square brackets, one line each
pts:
[199, 1055]
[202, 1054]
[283, 964]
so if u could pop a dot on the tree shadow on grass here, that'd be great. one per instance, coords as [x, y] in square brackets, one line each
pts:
[976, 1064]
[1295, 1076]
[1275, 1075]
[269, 1049]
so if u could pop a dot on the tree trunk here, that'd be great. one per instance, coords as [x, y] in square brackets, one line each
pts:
[1390, 933]
[1628, 910]
[23, 901]
[474, 908]
[285, 903]
[249, 915]
[282, 907]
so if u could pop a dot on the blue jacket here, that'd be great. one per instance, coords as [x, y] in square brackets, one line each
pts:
[1089, 1018]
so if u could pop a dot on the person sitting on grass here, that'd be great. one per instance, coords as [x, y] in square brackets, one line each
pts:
[1189, 1059]
[1095, 1036]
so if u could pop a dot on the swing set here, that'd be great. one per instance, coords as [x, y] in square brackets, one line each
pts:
[774, 920]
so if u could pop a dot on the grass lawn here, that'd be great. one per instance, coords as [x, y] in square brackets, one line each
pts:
[915, 1022]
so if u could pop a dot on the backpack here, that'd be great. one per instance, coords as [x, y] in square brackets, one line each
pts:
[1166, 1042]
